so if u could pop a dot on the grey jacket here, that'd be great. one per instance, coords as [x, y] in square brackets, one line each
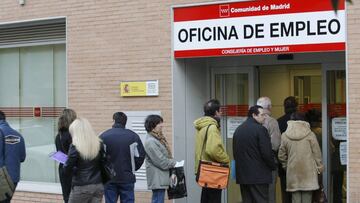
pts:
[157, 163]
[272, 126]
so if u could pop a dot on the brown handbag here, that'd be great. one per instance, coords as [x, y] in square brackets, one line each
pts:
[211, 174]
[319, 195]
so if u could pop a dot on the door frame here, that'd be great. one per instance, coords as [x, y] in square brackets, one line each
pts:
[253, 91]
[251, 72]
[325, 67]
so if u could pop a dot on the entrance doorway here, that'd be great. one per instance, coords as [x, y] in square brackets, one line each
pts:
[232, 87]
[320, 91]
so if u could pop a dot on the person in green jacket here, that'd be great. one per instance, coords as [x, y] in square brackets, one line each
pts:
[214, 149]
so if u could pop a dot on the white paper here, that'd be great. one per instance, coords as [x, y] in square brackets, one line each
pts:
[339, 128]
[180, 163]
[343, 153]
[134, 152]
[232, 124]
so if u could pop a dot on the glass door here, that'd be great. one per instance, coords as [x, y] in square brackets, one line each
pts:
[337, 135]
[234, 88]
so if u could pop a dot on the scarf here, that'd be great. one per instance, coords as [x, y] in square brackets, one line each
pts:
[162, 140]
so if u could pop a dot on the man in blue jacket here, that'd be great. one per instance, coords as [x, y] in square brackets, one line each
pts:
[14, 150]
[127, 154]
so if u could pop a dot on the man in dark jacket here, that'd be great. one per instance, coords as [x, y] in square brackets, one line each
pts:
[290, 106]
[253, 157]
[14, 150]
[127, 154]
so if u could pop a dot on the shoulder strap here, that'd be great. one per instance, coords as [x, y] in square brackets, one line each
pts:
[204, 143]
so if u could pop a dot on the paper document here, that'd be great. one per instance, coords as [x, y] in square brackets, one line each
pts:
[58, 156]
[180, 163]
[133, 153]
[134, 149]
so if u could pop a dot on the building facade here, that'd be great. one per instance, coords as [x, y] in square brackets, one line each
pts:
[75, 54]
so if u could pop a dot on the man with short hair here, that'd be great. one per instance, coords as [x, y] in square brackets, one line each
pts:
[127, 154]
[214, 149]
[290, 107]
[15, 152]
[254, 159]
[272, 126]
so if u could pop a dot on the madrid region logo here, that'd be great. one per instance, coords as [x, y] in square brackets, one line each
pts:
[224, 10]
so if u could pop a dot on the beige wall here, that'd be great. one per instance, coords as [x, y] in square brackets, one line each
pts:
[276, 82]
[353, 54]
[110, 41]
[276, 91]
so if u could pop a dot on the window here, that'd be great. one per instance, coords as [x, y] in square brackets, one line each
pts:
[34, 77]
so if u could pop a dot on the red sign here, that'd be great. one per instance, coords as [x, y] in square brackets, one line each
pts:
[234, 110]
[337, 110]
[258, 27]
[37, 112]
[306, 107]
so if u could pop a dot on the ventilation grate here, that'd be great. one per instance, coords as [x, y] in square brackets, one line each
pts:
[37, 32]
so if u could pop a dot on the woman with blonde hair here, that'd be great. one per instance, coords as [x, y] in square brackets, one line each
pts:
[62, 143]
[84, 163]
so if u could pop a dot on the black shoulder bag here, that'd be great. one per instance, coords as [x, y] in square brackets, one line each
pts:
[7, 186]
[107, 169]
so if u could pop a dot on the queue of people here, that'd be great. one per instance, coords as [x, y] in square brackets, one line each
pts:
[260, 145]
[81, 176]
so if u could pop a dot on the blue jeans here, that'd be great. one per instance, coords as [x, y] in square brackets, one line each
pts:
[158, 196]
[125, 190]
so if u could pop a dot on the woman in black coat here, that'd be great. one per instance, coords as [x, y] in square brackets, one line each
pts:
[62, 142]
[84, 163]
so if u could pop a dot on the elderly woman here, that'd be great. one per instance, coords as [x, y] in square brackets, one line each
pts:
[300, 156]
[158, 158]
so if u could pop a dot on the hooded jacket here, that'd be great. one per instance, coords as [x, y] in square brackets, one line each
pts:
[214, 148]
[300, 156]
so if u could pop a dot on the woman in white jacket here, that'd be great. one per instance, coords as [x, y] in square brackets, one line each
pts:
[300, 156]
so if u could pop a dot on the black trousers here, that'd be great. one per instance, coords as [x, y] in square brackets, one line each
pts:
[255, 193]
[286, 196]
[338, 177]
[65, 182]
[210, 195]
